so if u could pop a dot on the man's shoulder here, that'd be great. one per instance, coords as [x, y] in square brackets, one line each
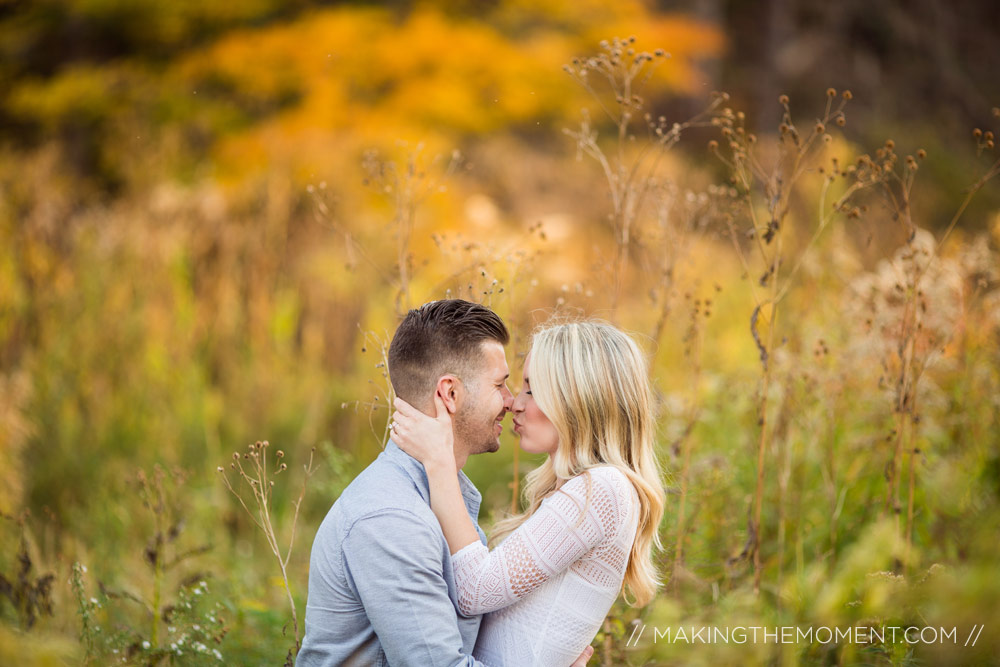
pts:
[382, 489]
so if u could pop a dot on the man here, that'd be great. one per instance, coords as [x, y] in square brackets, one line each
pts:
[381, 585]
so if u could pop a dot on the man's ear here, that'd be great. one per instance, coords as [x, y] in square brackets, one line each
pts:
[450, 389]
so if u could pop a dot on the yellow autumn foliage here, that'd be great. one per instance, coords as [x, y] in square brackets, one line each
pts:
[339, 79]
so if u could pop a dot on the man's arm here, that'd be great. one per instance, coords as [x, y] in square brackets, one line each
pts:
[394, 561]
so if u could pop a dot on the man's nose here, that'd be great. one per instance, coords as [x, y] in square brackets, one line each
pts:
[508, 399]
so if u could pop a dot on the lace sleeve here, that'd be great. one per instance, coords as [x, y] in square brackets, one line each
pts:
[563, 529]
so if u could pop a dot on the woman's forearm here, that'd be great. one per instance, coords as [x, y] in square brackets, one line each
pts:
[449, 507]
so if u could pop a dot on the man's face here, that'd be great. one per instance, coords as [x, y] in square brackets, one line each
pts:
[487, 401]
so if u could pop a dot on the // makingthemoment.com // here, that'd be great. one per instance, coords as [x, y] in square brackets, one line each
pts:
[890, 634]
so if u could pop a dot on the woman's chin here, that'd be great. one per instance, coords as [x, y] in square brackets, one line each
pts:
[529, 448]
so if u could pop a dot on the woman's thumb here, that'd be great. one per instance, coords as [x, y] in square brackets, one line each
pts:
[440, 410]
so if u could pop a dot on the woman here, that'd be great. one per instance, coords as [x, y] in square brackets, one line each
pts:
[593, 506]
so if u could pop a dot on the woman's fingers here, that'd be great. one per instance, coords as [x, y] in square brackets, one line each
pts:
[404, 407]
[404, 419]
[399, 425]
[441, 411]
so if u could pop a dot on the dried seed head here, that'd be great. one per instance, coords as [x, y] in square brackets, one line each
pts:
[977, 133]
[847, 95]
[280, 454]
[890, 144]
[219, 469]
[820, 128]
[783, 100]
[841, 121]
[713, 145]
[831, 92]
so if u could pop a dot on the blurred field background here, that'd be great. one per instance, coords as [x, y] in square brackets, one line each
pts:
[213, 214]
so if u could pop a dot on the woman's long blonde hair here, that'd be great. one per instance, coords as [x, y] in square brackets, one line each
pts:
[591, 380]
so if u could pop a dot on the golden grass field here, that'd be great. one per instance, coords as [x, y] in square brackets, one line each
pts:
[210, 246]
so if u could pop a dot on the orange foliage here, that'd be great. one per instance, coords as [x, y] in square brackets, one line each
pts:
[338, 80]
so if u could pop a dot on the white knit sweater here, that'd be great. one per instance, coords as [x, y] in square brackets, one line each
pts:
[546, 589]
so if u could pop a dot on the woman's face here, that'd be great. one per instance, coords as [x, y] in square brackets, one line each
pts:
[538, 434]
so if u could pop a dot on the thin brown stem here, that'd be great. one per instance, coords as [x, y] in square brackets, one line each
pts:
[261, 488]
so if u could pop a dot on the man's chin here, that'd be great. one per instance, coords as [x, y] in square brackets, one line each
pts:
[489, 448]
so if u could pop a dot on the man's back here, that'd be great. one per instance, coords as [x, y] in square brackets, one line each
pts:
[381, 586]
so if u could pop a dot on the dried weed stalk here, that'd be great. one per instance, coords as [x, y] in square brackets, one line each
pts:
[916, 339]
[384, 394]
[29, 594]
[255, 474]
[408, 184]
[768, 191]
[700, 311]
[632, 166]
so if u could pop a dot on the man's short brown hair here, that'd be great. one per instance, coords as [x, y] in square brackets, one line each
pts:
[438, 338]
